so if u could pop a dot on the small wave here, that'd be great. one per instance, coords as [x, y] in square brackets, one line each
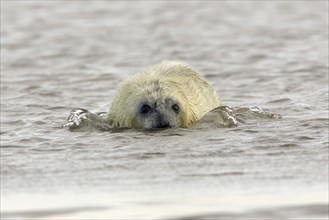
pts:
[50, 212]
[255, 113]
[279, 101]
[222, 116]
[233, 173]
[311, 211]
[82, 120]
[12, 146]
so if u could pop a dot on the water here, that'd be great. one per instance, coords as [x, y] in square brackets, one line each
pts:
[58, 56]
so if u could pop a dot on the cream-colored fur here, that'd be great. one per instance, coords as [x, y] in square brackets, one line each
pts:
[167, 79]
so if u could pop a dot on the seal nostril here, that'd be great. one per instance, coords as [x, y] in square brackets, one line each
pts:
[161, 122]
[163, 125]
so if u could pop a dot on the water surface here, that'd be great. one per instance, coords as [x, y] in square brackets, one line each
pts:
[57, 56]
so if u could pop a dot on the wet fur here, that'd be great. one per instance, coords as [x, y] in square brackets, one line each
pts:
[172, 81]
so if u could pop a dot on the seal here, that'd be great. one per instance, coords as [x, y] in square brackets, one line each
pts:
[170, 94]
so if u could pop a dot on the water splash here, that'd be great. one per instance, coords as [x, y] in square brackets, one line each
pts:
[222, 117]
[82, 120]
[254, 112]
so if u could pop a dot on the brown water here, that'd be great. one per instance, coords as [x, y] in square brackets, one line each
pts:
[56, 56]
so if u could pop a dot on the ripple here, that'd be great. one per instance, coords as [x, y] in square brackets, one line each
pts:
[251, 131]
[39, 122]
[18, 122]
[49, 149]
[279, 101]
[12, 146]
[305, 138]
[34, 140]
[234, 173]
[310, 211]
[150, 155]
[255, 112]
[51, 212]
[54, 108]
[288, 145]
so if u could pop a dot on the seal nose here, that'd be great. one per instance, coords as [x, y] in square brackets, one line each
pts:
[162, 123]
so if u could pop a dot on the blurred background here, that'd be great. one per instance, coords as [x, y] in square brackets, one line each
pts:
[59, 55]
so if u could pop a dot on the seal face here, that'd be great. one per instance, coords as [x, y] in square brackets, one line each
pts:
[166, 95]
[158, 114]
[157, 109]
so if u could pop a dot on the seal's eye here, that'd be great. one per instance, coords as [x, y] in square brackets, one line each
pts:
[145, 109]
[175, 107]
